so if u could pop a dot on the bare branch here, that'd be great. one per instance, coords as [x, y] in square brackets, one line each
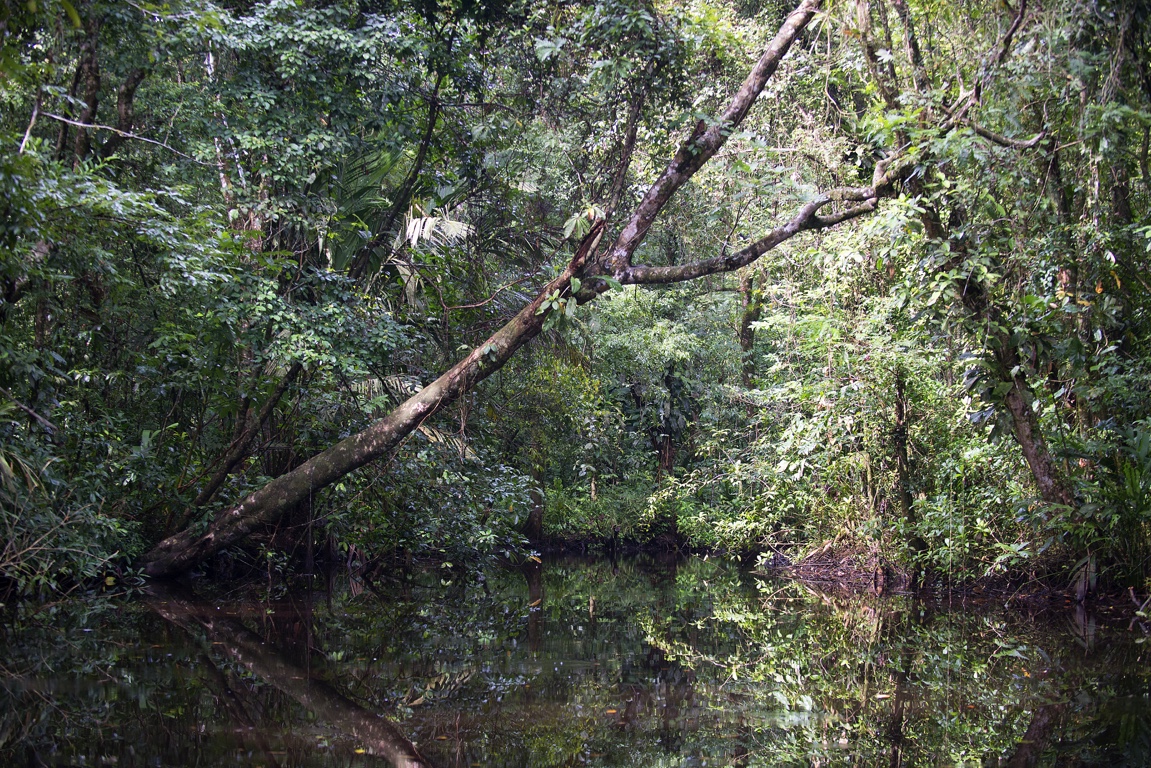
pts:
[1003, 141]
[125, 134]
[706, 140]
[42, 421]
[865, 199]
[626, 151]
[806, 219]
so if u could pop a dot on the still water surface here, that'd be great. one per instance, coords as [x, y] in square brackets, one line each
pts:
[568, 663]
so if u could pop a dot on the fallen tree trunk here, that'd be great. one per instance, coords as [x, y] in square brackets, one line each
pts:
[187, 548]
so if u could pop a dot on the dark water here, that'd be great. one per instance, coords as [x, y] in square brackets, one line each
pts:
[569, 663]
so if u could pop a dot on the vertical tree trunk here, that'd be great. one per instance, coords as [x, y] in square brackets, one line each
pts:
[90, 63]
[902, 465]
[1053, 487]
[752, 299]
[1025, 427]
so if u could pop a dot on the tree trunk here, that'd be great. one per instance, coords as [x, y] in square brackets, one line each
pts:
[902, 465]
[186, 549]
[1052, 486]
[752, 310]
[182, 551]
[238, 450]
[91, 82]
[534, 528]
[1037, 738]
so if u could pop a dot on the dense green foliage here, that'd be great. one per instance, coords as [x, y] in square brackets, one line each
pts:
[234, 234]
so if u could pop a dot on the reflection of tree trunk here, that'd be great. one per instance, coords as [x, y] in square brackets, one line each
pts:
[1035, 740]
[899, 715]
[380, 736]
[235, 708]
[534, 572]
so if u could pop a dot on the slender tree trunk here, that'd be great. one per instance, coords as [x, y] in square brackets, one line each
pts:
[91, 82]
[404, 196]
[125, 111]
[1052, 485]
[1025, 427]
[752, 300]
[534, 528]
[902, 465]
[240, 446]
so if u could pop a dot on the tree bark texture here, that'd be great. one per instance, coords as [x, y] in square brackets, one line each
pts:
[902, 465]
[90, 80]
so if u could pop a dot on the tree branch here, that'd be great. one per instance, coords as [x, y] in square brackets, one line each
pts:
[238, 450]
[1003, 141]
[706, 140]
[626, 152]
[806, 219]
[125, 134]
[865, 199]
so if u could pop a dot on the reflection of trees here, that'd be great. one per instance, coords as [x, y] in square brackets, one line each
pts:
[905, 683]
[894, 682]
[533, 572]
[1037, 738]
[379, 736]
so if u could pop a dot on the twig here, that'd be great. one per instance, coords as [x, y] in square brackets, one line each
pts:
[498, 291]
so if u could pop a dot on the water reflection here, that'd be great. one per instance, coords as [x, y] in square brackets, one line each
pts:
[561, 663]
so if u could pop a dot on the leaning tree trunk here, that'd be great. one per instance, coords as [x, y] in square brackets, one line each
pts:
[186, 549]
[1052, 485]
